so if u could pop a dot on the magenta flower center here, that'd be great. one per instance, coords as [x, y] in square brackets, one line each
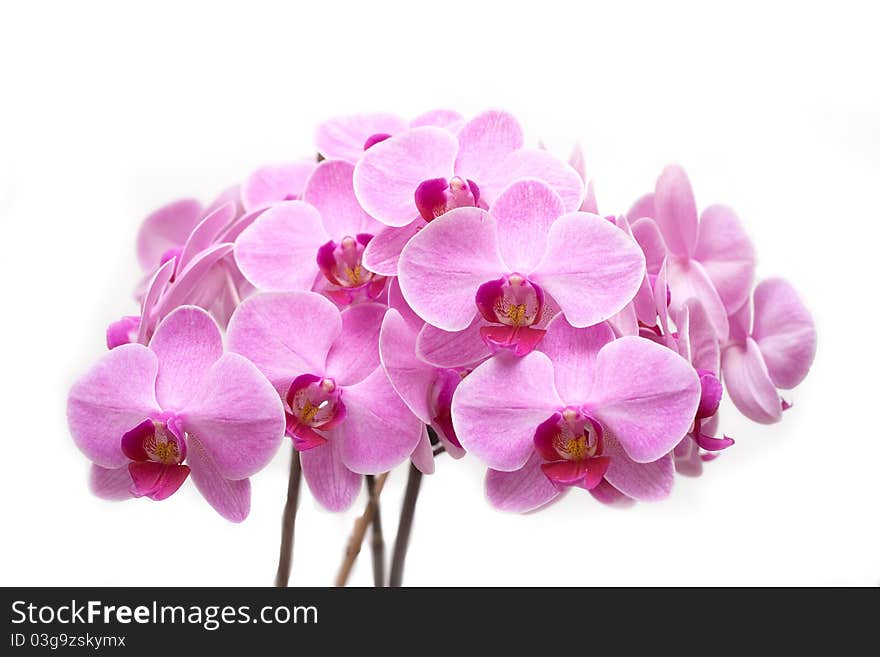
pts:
[511, 300]
[342, 263]
[572, 444]
[314, 403]
[438, 196]
[157, 449]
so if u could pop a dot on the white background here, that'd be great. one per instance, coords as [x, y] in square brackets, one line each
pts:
[109, 110]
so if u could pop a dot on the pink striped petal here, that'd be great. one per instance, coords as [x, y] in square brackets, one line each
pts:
[727, 255]
[344, 137]
[748, 383]
[688, 280]
[386, 178]
[608, 494]
[355, 353]
[278, 251]
[330, 191]
[648, 236]
[275, 183]
[379, 431]
[443, 265]
[453, 349]
[497, 408]
[206, 233]
[237, 416]
[573, 352]
[114, 396]
[703, 350]
[534, 163]
[187, 284]
[113, 484]
[647, 482]
[187, 342]
[675, 211]
[285, 334]
[410, 376]
[784, 331]
[166, 228]
[591, 268]
[383, 251]
[484, 141]
[155, 289]
[230, 498]
[423, 455]
[522, 490]
[524, 212]
[646, 395]
[333, 485]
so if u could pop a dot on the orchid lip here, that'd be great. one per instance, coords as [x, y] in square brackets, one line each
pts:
[342, 266]
[157, 449]
[437, 196]
[315, 404]
[571, 442]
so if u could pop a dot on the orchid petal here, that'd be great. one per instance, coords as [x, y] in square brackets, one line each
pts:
[675, 211]
[646, 395]
[114, 396]
[442, 267]
[274, 184]
[330, 191]
[382, 253]
[285, 334]
[727, 255]
[749, 384]
[453, 349]
[230, 498]
[386, 178]
[343, 137]
[591, 268]
[647, 482]
[278, 251]
[333, 485]
[166, 228]
[379, 431]
[497, 408]
[524, 212]
[534, 163]
[484, 141]
[784, 331]
[521, 490]
[573, 352]
[187, 342]
[355, 353]
[410, 376]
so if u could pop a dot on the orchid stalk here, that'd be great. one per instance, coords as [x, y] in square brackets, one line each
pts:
[426, 286]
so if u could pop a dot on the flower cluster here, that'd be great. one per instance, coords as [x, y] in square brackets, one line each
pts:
[436, 285]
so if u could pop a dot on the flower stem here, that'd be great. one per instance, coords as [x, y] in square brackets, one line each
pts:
[360, 529]
[378, 542]
[288, 523]
[404, 528]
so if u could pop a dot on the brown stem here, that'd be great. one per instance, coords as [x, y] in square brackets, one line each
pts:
[360, 529]
[404, 528]
[378, 543]
[288, 523]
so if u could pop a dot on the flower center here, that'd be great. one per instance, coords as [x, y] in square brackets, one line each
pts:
[516, 305]
[157, 449]
[314, 403]
[571, 442]
[342, 266]
[438, 196]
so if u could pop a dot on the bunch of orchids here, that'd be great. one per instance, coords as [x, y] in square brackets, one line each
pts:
[434, 286]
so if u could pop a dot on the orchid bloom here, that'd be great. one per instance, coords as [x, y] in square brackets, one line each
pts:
[347, 137]
[506, 265]
[711, 259]
[342, 412]
[314, 243]
[584, 408]
[412, 178]
[775, 349]
[148, 417]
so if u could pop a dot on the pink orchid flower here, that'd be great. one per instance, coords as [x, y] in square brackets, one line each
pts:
[315, 243]
[148, 417]
[425, 389]
[711, 259]
[342, 412]
[584, 408]
[412, 178]
[347, 137]
[508, 264]
[773, 350]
